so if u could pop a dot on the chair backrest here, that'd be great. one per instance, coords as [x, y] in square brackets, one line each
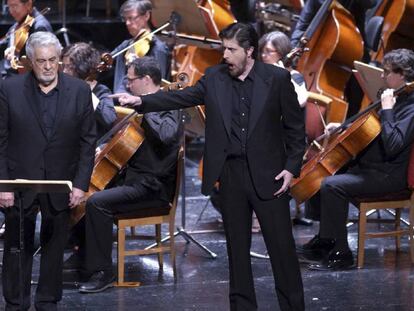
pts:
[410, 170]
[373, 31]
[180, 172]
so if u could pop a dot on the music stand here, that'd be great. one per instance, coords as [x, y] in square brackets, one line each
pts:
[22, 187]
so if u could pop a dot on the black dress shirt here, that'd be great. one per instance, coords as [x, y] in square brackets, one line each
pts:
[48, 105]
[241, 102]
[154, 163]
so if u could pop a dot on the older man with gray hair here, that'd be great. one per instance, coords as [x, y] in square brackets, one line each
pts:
[47, 132]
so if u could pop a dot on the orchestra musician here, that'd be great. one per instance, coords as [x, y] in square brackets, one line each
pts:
[254, 145]
[381, 168]
[47, 132]
[80, 60]
[137, 17]
[311, 7]
[273, 49]
[149, 181]
[20, 10]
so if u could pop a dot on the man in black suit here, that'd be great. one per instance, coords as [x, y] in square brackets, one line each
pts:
[47, 132]
[149, 181]
[255, 141]
[20, 10]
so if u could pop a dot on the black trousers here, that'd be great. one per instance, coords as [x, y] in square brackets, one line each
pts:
[53, 235]
[337, 192]
[100, 210]
[238, 200]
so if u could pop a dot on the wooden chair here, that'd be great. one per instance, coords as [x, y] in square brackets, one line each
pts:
[151, 216]
[397, 201]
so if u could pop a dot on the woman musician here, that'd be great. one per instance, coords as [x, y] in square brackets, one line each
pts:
[81, 60]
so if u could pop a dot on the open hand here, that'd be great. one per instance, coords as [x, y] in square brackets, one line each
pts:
[287, 178]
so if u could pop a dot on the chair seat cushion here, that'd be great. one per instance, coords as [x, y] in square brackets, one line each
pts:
[394, 196]
[150, 211]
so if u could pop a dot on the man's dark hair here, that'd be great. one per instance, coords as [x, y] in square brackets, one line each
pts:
[401, 61]
[245, 35]
[83, 58]
[147, 66]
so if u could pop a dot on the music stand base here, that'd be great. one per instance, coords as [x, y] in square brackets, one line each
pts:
[188, 238]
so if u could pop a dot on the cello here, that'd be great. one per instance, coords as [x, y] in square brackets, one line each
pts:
[328, 64]
[344, 144]
[124, 140]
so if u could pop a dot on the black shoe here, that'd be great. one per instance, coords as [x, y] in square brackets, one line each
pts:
[317, 247]
[98, 282]
[73, 263]
[336, 260]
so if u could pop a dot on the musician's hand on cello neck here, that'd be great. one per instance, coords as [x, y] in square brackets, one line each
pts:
[387, 99]
[127, 100]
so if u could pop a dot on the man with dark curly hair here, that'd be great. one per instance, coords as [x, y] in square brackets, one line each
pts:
[382, 167]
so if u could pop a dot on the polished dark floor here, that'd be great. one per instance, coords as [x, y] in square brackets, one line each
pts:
[385, 282]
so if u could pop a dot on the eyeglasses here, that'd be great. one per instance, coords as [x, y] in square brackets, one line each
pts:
[268, 52]
[131, 18]
[130, 80]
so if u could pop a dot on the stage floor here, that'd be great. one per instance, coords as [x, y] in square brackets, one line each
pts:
[385, 282]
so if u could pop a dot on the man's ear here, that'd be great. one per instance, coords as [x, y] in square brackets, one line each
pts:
[249, 52]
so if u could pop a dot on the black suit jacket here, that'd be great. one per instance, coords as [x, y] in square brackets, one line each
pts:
[27, 152]
[276, 135]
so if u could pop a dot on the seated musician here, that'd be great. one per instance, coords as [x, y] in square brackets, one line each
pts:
[149, 181]
[137, 17]
[19, 10]
[273, 48]
[81, 60]
[381, 168]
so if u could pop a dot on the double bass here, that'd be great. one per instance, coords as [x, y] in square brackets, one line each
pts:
[397, 30]
[334, 42]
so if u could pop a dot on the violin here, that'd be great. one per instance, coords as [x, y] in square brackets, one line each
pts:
[140, 46]
[21, 34]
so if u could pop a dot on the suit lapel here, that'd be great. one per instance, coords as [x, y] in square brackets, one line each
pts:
[261, 90]
[224, 99]
[33, 100]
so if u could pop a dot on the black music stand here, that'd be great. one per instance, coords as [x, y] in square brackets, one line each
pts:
[21, 187]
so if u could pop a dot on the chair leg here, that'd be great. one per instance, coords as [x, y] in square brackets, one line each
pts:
[158, 239]
[172, 249]
[121, 255]
[411, 233]
[361, 236]
[133, 232]
[397, 227]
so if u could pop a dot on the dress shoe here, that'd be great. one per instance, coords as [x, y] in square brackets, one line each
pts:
[73, 263]
[316, 249]
[98, 282]
[336, 260]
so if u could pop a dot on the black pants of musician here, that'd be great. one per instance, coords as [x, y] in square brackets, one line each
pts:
[238, 200]
[53, 235]
[337, 192]
[100, 210]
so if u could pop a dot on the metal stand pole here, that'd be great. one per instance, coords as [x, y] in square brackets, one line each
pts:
[64, 30]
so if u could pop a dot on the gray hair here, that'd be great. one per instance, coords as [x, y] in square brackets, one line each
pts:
[279, 40]
[139, 6]
[41, 38]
